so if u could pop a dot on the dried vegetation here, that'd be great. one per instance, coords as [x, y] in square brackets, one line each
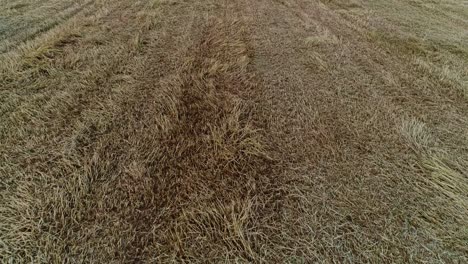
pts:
[233, 131]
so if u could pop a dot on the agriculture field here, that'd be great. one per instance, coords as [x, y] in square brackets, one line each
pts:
[235, 131]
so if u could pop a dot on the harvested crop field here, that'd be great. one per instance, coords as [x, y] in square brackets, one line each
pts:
[268, 131]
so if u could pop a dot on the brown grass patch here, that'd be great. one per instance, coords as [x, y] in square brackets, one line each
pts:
[253, 132]
[182, 170]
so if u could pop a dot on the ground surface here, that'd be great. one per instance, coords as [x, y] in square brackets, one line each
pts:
[233, 131]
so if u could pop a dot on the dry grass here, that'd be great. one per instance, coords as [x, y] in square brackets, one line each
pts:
[253, 132]
[24, 20]
[447, 177]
